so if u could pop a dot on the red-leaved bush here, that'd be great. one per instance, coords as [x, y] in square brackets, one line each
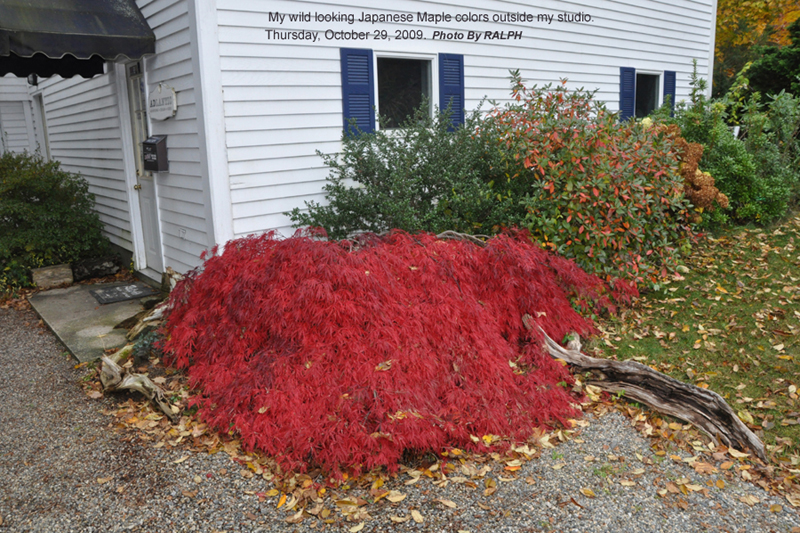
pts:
[345, 354]
[605, 193]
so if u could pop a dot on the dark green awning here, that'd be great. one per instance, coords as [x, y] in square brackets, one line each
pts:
[70, 37]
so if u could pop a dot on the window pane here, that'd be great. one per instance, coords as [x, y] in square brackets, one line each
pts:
[402, 83]
[646, 94]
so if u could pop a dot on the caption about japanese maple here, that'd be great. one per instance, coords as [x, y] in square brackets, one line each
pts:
[368, 26]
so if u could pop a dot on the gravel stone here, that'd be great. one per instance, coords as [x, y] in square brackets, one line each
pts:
[55, 443]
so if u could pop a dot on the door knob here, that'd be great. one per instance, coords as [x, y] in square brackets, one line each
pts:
[137, 187]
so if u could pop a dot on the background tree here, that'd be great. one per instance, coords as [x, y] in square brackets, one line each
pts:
[777, 68]
[743, 27]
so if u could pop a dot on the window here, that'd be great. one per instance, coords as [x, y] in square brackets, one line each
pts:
[639, 92]
[646, 94]
[402, 85]
[399, 88]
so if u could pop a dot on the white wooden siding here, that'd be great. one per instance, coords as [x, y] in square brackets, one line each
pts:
[182, 210]
[283, 98]
[84, 135]
[17, 127]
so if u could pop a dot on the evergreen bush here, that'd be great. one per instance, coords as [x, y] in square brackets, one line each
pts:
[758, 172]
[419, 177]
[46, 218]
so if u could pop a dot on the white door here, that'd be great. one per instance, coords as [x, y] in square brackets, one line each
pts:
[145, 183]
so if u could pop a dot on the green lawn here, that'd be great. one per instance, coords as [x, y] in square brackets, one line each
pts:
[730, 323]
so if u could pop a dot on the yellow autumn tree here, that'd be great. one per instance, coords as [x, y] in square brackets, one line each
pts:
[741, 25]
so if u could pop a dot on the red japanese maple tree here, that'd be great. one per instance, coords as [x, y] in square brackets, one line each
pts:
[345, 354]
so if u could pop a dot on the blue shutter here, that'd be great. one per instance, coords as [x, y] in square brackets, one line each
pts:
[358, 96]
[627, 92]
[669, 89]
[451, 86]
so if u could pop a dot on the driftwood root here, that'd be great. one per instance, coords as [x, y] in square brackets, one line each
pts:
[703, 408]
[114, 377]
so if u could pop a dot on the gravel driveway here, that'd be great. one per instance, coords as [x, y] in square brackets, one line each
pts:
[58, 451]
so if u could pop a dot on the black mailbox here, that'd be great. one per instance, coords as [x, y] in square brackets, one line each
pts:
[154, 152]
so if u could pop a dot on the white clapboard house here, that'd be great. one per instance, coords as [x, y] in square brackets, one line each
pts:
[242, 93]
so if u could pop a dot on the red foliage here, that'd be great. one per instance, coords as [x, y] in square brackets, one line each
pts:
[345, 354]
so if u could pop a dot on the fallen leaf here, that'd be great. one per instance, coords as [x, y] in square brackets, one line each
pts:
[292, 502]
[702, 467]
[295, 518]
[356, 529]
[447, 503]
[395, 496]
[282, 500]
[559, 466]
[737, 454]
[749, 500]
[398, 520]
[745, 416]
[720, 484]
[775, 508]
[250, 515]
[182, 459]
[103, 480]
[417, 516]
[589, 493]
[94, 395]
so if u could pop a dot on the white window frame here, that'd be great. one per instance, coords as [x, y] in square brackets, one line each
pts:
[659, 96]
[433, 59]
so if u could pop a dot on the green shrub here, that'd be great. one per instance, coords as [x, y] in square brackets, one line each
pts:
[602, 192]
[46, 218]
[421, 176]
[752, 172]
[783, 112]
[775, 173]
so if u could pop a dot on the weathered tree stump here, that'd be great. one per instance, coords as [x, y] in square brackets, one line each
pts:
[704, 408]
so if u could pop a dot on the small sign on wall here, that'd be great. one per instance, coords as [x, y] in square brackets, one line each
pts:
[162, 103]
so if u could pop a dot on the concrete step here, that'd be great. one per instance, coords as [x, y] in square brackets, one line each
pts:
[84, 326]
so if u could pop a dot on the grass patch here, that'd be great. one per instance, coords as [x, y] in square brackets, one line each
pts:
[731, 324]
